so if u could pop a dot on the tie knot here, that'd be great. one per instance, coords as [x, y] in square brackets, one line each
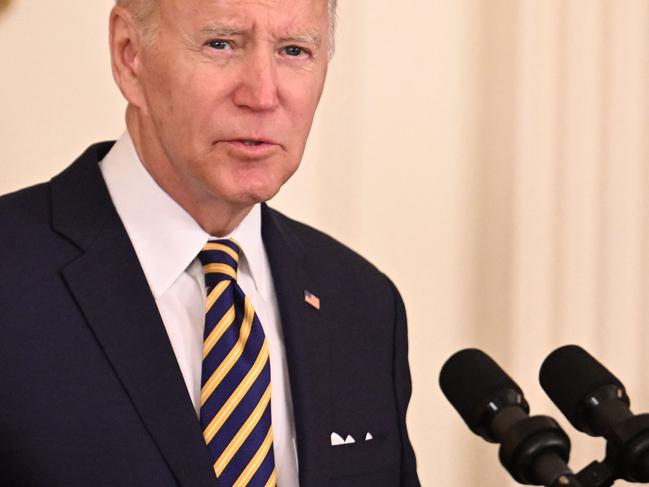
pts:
[220, 259]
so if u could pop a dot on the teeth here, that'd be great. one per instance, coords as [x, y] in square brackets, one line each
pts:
[252, 142]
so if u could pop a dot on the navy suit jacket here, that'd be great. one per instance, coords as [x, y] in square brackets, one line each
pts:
[90, 391]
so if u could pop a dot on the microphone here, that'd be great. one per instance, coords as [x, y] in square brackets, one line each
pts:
[534, 450]
[595, 402]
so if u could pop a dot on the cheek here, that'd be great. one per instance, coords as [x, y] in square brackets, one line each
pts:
[201, 108]
[176, 94]
[185, 116]
[304, 99]
[302, 114]
[301, 85]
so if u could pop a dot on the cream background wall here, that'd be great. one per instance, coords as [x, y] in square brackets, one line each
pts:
[490, 155]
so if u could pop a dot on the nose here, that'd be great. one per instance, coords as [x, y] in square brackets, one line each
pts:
[258, 89]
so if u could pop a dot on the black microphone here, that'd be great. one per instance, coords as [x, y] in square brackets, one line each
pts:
[534, 450]
[595, 402]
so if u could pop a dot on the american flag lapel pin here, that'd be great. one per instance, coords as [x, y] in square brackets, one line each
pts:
[312, 299]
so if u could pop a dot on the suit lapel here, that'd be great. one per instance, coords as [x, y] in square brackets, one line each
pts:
[111, 290]
[307, 344]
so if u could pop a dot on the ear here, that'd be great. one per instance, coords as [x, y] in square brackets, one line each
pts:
[126, 55]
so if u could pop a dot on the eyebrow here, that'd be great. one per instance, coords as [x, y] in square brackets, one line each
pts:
[312, 38]
[222, 30]
[307, 38]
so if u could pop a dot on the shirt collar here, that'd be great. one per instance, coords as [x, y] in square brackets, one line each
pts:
[248, 236]
[165, 237]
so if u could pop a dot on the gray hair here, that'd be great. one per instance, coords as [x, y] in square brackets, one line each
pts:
[143, 10]
[333, 17]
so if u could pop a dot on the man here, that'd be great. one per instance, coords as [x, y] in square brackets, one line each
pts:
[162, 326]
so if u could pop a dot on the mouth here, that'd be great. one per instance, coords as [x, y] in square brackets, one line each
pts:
[252, 141]
[252, 148]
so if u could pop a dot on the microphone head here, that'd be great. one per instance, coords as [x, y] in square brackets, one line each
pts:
[478, 388]
[570, 376]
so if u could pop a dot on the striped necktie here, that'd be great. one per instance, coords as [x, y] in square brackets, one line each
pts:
[235, 384]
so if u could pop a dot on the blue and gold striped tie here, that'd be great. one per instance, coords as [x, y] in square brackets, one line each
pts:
[235, 384]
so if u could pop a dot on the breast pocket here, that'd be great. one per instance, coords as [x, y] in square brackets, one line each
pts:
[365, 456]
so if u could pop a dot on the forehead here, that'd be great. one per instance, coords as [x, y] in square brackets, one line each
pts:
[270, 14]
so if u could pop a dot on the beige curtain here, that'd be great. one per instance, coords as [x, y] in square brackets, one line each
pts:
[490, 155]
[580, 200]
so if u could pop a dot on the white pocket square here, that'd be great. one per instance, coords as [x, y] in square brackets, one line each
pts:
[337, 440]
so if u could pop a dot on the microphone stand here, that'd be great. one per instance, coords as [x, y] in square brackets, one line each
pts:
[627, 456]
[596, 474]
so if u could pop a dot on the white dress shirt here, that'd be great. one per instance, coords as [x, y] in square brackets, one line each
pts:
[167, 241]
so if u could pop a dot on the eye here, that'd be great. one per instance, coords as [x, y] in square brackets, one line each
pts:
[219, 45]
[294, 51]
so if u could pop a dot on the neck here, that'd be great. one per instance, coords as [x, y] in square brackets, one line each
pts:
[215, 217]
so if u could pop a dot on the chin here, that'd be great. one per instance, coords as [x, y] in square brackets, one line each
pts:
[258, 195]
[258, 190]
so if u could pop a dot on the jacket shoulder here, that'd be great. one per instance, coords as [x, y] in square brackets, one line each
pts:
[24, 208]
[33, 204]
[334, 261]
[27, 215]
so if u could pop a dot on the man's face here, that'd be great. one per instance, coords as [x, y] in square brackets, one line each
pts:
[230, 88]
